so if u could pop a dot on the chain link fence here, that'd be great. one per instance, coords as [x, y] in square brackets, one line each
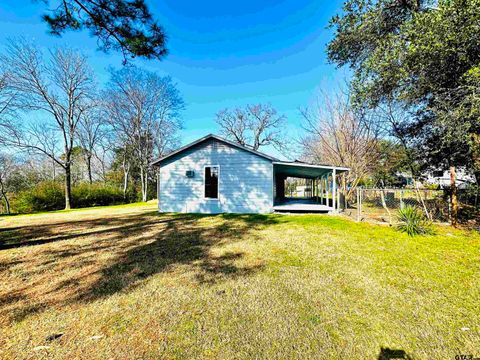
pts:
[382, 205]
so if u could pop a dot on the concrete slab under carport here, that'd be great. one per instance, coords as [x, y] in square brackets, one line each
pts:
[324, 185]
[301, 205]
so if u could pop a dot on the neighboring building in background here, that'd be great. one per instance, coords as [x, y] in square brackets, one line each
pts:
[302, 190]
[440, 178]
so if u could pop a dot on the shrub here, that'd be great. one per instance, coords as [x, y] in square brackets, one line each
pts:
[413, 221]
[86, 195]
[49, 195]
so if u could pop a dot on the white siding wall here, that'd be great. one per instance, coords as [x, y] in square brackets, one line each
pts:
[245, 181]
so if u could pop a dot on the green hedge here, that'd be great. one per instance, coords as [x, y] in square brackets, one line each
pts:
[49, 195]
[86, 195]
[45, 196]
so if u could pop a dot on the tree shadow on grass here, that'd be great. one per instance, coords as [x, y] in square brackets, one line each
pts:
[180, 243]
[39, 234]
[96, 258]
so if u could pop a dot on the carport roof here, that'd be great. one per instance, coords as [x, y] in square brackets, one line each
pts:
[304, 170]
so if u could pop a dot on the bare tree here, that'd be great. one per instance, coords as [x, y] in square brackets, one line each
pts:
[91, 130]
[57, 92]
[128, 160]
[144, 111]
[7, 103]
[104, 152]
[340, 136]
[254, 126]
[6, 98]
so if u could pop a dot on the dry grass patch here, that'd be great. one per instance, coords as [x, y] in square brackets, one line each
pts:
[126, 282]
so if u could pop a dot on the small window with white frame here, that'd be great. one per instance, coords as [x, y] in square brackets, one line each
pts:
[211, 175]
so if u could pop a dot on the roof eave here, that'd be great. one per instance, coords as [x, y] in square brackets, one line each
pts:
[212, 136]
[286, 163]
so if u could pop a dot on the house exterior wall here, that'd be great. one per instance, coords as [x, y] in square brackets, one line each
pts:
[245, 181]
[442, 178]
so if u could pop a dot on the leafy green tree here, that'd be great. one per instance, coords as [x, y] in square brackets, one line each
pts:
[122, 25]
[424, 56]
[392, 159]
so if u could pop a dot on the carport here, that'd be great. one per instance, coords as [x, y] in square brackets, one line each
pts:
[324, 195]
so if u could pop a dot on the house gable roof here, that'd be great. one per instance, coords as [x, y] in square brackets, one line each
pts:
[214, 137]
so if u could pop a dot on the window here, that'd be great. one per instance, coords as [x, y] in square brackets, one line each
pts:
[211, 182]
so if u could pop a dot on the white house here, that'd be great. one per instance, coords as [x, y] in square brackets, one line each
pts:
[215, 175]
[442, 178]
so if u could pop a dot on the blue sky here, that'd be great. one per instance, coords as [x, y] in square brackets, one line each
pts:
[222, 54]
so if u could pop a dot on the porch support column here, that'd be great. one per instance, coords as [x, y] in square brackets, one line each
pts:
[325, 190]
[327, 202]
[334, 190]
[322, 189]
[158, 188]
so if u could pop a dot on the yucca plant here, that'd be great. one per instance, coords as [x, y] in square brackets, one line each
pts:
[413, 221]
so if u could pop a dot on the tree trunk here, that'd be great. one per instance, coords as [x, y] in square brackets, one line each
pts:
[420, 200]
[453, 196]
[4, 195]
[384, 204]
[104, 171]
[126, 171]
[89, 168]
[143, 180]
[7, 203]
[145, 196]
[125, 183]
[68, 186]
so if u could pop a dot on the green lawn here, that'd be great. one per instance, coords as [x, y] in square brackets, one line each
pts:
[126, 282]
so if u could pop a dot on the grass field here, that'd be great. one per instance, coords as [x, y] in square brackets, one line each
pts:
[126, 282]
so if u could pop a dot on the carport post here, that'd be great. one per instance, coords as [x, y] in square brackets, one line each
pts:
[323, 189]
[334, 190]
[327, 202]
[320, 182]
